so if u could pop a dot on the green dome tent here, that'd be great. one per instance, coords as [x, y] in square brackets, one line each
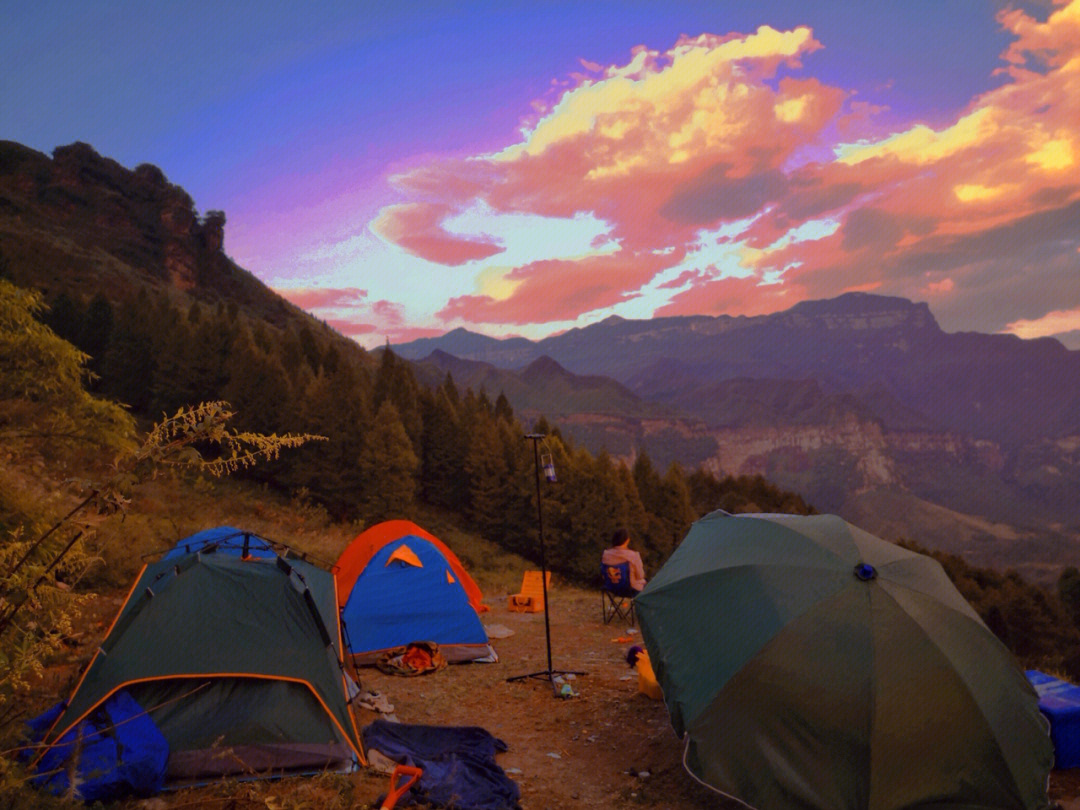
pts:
[236, 660]
[809, 664]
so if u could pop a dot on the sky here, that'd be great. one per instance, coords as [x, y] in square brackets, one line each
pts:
[403, 169]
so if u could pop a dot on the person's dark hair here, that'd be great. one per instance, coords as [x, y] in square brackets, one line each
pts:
[620, 536]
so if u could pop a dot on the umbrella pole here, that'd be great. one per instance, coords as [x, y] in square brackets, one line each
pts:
[548, 674]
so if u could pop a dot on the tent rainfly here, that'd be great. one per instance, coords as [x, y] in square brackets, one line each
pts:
[236, 659]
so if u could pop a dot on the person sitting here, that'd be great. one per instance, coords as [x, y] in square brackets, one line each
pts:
[620, 552]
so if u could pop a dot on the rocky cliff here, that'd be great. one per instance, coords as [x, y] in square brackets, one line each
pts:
[79, 222]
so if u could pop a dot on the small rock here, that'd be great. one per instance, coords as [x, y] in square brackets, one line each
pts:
[644, 774]
[513, 770]
[554, 755]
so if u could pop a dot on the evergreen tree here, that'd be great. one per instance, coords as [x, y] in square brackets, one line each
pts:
[394, 381]
[335, 406]
[129, 365]
[388, 468]
[502, 408]
[96, 333]
[1068, 590]
[258, 388]
[443, 449]
[65, 316]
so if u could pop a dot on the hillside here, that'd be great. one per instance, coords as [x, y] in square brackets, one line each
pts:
[81, 224]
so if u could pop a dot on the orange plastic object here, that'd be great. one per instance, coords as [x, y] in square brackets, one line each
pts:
[531, 598]
[396, 790]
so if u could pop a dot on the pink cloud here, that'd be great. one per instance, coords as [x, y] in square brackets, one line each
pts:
[351, 328]
[314, 298]
[731, 296]
[417, 227]
[685, 277]
[389, 313]
[705, 133]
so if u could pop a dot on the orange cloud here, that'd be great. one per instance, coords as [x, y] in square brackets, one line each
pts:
[417, 227]
[562, 289]
[980, 211]
[717, 296]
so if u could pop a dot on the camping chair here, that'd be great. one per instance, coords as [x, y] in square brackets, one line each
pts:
[616, 595]
[531, 598]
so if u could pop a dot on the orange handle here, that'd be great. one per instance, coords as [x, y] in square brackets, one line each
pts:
[413, 773]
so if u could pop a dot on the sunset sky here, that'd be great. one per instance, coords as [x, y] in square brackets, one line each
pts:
[402, 169]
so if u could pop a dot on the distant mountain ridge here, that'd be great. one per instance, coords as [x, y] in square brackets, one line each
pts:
[995, 387]
[858, 403]
[542, 387]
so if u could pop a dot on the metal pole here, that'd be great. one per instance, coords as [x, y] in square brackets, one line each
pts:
[549, 674]
[543, 561]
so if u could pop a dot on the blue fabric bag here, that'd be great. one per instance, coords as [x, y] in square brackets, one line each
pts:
[122, 752]
[458, 763]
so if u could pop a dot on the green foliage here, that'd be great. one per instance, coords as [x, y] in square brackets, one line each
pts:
[388, 467]
[42, 398]
[1032, 622]
[1068, 591]
[46, 411]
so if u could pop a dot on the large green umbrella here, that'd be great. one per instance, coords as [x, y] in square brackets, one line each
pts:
[809, 664]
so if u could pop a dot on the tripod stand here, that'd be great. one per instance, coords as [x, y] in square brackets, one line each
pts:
[548, 674]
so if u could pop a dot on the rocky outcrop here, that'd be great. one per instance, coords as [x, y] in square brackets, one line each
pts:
[136, 215]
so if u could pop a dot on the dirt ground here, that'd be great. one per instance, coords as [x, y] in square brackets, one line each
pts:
[607, 747]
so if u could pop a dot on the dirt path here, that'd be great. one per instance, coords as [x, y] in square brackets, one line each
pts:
[608, 747]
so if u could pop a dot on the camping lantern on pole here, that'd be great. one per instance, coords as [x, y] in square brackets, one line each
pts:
[548, 674]
[548, 464]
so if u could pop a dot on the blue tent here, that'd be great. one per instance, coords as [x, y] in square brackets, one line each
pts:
[225, 540]
[407, 592]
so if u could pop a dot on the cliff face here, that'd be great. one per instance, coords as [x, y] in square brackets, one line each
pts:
[79, 222]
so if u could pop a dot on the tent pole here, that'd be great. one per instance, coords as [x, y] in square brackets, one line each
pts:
[548, 674]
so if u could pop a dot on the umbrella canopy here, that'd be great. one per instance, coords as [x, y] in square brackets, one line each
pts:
[809, 664]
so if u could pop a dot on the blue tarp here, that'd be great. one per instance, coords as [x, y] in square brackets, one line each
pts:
[458, 763]
[120, 751]
[224, 540]
[1060, 701]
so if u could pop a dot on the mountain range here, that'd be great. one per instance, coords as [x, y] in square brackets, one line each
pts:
[969, 442]
[862, 404]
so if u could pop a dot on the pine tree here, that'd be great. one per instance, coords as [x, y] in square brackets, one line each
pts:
[388, 467]
[442, 453]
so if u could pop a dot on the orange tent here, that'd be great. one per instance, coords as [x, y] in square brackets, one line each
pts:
[366, 544]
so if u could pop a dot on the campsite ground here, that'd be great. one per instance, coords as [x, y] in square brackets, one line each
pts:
[608, 747]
